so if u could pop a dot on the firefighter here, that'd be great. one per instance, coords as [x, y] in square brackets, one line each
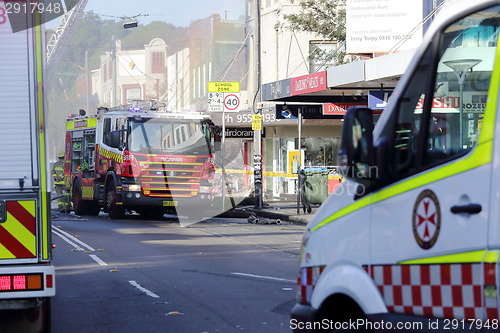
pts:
[58, 176]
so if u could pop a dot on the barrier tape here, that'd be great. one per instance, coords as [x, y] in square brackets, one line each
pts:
[271, 174]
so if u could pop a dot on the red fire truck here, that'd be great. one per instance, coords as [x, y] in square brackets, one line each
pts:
[139, 157]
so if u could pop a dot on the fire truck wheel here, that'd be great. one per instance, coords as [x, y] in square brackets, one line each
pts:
[47, 314]
[114, 211]
[79, 205]
[94, 208]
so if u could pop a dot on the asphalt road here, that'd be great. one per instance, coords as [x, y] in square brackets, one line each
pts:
[131, 275]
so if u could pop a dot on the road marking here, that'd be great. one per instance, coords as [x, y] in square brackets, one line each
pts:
[264, 277]
[144, 290]
[73, 239]
[98, 260]
[68, 241]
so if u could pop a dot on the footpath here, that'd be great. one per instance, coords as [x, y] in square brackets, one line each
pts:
[284, 211]
[276, 210]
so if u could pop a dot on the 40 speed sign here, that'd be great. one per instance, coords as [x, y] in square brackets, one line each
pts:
[232, 102]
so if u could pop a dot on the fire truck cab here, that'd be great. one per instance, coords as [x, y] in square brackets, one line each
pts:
[138, 157]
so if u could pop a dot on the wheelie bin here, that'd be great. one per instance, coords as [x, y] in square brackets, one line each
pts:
[315, 187]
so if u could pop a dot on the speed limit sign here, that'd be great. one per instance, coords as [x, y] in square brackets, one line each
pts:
[232, 102]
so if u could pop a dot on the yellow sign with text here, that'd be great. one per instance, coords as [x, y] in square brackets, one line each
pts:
[233, 87]
[257, 122]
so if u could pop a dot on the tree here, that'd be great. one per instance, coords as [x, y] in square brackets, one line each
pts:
[93, 34]
[326, 18]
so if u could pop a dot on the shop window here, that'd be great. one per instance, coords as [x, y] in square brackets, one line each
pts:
[320, 152]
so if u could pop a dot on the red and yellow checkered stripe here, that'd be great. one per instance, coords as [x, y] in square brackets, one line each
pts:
[18, 232]
[458, 290]
[118, 158]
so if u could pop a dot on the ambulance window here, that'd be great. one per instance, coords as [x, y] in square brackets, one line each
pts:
[407, 127]
[466, 58]
[456, 70]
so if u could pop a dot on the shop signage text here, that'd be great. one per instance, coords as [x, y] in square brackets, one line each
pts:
[291, 111]
[276, 90]
[309, 83]
[241, 132]
[339, 109]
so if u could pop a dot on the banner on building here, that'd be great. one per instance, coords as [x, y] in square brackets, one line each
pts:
[379, 26]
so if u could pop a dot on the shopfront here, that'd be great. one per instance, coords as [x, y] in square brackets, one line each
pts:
[320, 141]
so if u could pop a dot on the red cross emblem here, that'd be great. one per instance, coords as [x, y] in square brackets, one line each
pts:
[426, 219]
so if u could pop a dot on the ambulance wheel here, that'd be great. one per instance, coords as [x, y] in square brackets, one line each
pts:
[340, 308]
[114, 211]
[79, 205]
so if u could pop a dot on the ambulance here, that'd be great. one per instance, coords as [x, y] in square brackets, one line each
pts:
[411, 240]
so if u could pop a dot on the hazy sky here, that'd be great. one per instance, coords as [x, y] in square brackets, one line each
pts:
[177, 12]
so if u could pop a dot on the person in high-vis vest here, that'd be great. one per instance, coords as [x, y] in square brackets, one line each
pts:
[58, 176]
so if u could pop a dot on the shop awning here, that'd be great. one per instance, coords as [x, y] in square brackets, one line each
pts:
[349, 83]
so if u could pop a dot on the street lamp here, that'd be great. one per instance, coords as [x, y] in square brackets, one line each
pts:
[462, 68]
[126, 25]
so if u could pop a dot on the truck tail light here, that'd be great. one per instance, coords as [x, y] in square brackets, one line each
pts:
[21, 282]
[49, 282]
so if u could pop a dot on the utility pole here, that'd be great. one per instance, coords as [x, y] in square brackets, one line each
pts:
[113, 72]
[87, 89]
[257, 110]
[299, 166]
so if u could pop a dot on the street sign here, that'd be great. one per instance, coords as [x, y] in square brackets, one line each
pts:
[224, 96]
[232, 102]
[377, 99]
[257, 122]
[215, 102]
[224, 87]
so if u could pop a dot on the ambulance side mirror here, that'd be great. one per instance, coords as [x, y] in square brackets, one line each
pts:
[356, 154]
[115, 139]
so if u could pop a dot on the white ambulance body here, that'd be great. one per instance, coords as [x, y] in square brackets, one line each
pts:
[412, 239]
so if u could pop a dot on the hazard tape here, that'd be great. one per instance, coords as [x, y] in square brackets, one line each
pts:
[271, 174]
[266, 173]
